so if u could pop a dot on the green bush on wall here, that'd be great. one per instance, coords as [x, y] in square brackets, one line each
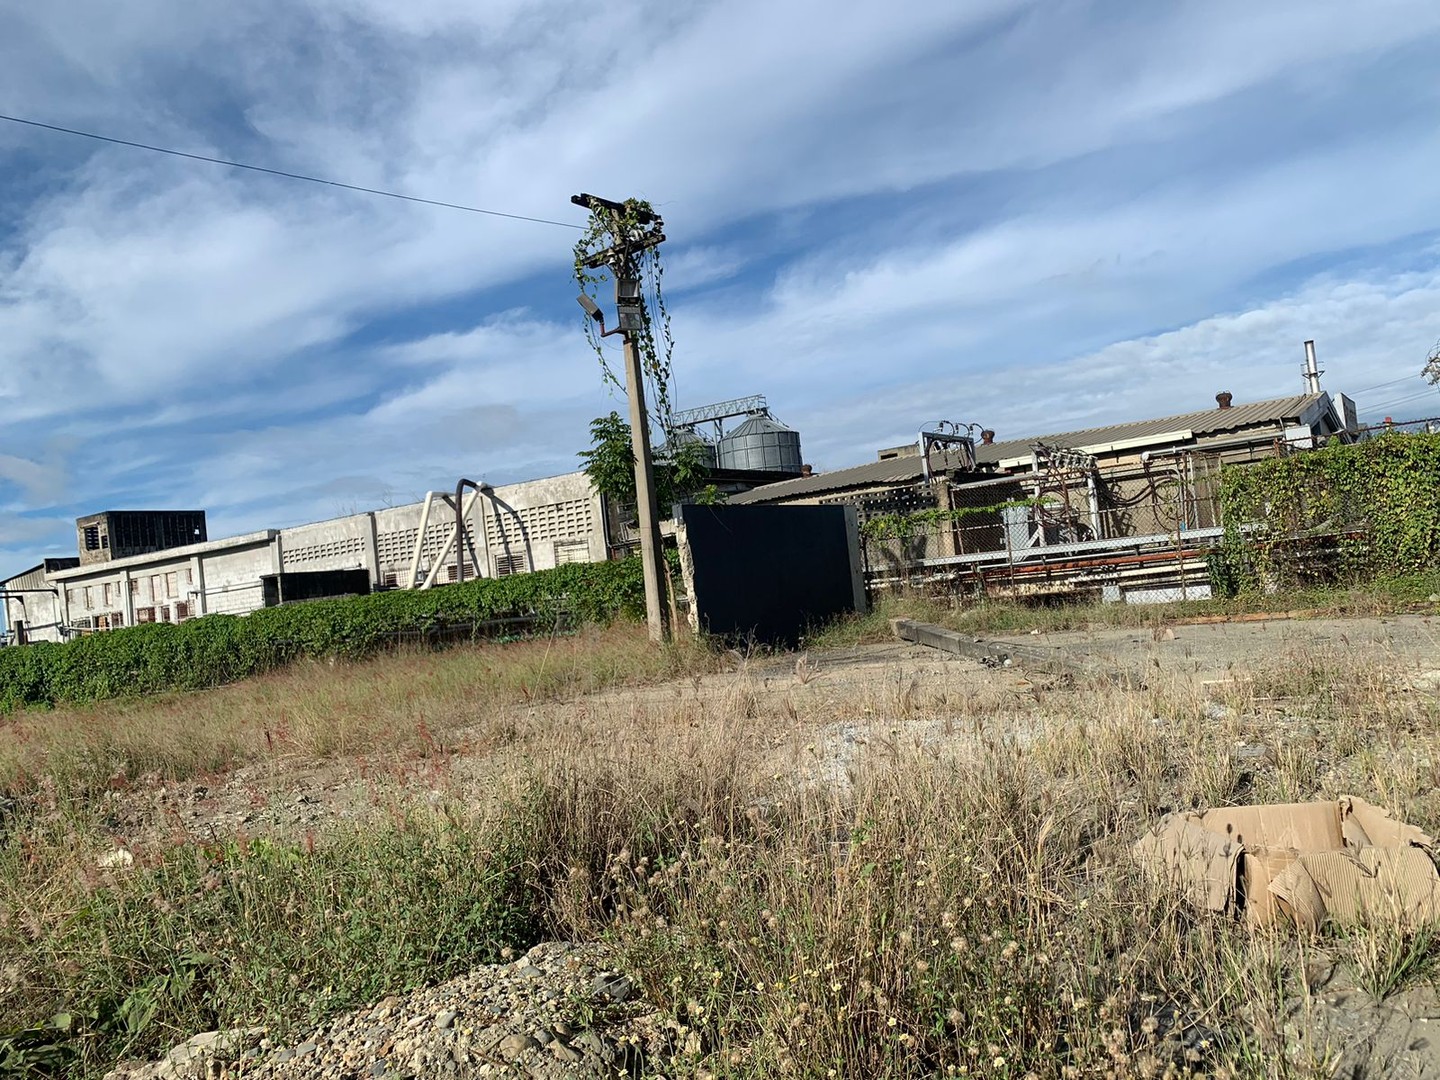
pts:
[1380, 498]
[218, 649]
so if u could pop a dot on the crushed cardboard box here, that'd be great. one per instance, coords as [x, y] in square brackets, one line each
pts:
[1344, 861]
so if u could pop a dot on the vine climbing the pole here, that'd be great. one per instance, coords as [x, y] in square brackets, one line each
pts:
[619, 231]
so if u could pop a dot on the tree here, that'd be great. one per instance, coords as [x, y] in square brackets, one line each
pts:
[610, 464]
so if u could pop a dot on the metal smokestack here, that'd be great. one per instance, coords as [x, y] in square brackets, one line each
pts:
[1312, 373]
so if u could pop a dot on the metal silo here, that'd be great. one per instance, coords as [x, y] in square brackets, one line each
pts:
[761, 444]
[686, 437]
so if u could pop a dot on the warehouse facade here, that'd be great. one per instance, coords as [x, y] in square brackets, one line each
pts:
[511, 529]
[1123, 512]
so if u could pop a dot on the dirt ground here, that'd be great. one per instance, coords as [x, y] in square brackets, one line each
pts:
[1211, 651]
[815, 719]
[812, 717]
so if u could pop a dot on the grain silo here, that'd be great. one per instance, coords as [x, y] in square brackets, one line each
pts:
[761, 444]
[688, 437]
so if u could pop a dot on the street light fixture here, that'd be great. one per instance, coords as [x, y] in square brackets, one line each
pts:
[593, 310]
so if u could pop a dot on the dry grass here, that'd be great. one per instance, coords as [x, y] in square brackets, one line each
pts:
[958, 899]
[408, 701]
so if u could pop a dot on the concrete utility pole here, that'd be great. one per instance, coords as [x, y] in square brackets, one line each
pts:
[657, 612]
[620, 257]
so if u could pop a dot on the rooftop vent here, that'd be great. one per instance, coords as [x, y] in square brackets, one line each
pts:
[1223, 399]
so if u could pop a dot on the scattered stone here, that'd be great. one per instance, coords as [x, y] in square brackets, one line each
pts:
[613, 989]
[115, 860]
[512, 1046]
[502, 1019]
[563, 1052]
[1427, 681]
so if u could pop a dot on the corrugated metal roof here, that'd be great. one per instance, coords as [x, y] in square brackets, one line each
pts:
[1204, 422]
[903, 470]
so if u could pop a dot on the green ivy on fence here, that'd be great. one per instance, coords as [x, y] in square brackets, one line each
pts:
[217, 649]
[1374, 506]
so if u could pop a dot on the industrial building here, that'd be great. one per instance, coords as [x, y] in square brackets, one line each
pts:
[160, 565]
[1122, 512]
[133, 579]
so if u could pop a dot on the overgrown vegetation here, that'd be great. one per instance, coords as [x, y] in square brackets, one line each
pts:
[1353, 512]
[197, 935]
[680, 471]
[960, 907]
[620, 229]
[219, 649]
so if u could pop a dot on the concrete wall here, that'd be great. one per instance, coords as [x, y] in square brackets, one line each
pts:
[515, 528]
[228, 581]
[40, 612]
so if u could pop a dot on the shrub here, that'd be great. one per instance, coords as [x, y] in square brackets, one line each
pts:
[218, 649]
[1368, 509]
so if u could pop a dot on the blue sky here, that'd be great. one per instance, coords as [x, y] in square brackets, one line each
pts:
[1035, 216]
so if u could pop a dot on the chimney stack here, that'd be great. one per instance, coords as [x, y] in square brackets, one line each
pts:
[1223, 399]
[1312, 372]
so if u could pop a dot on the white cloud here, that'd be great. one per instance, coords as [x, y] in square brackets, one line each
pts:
[958, 207]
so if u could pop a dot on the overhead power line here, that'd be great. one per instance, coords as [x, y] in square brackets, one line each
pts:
[287, 175]
[1399, 401]
[1377, 386]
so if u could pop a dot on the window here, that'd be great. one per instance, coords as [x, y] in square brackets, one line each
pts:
[134, 586]
[505, 565]
[155, 592]
[90, 596]
[144, 615]
[189, 576]
[92, 537]
[182, 611]
[572, 551]
[107, 592]
[72, 597]
[171, 584]
[165, 613]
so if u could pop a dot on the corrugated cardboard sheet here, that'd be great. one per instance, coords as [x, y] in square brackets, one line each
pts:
[1345, 861]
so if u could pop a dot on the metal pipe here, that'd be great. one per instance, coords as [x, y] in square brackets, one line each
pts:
[462, 511]
[419, 540]
[460, 515]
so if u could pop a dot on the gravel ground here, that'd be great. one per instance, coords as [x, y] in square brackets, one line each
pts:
[558, 1011]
